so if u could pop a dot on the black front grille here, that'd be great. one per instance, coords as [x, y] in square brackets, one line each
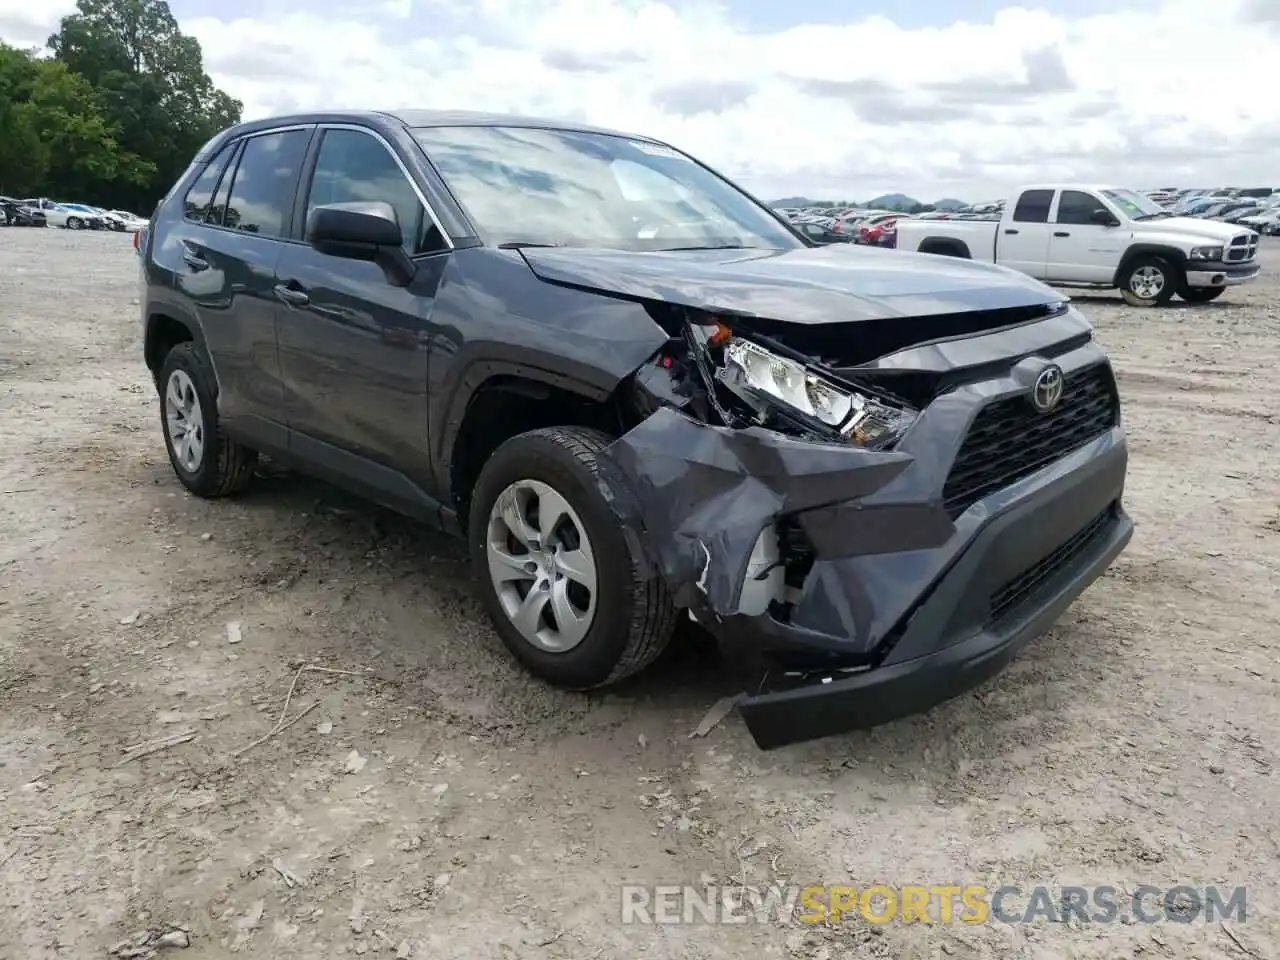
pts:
[1243, 247]
[1008, 598]
[1010, 440]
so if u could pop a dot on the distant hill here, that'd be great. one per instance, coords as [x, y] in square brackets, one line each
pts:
[893, 200]
[888, 201]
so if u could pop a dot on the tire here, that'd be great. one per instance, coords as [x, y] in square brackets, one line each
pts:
[1201, 294]
[223, 467]
[631, 619]
[74, 223]
[1153, 276]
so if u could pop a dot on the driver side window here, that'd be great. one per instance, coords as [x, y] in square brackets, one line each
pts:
[353, 166]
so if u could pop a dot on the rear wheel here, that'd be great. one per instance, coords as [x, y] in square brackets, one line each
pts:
[559, 581]
[74, 223]
[207, 461]
[1201, 294]
[1149, 281]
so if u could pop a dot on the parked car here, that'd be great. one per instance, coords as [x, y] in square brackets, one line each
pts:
[1100, 237]
[15, 213]
[64, 214]
[722, 419]
[874, 230]
[132, 222]
[83, 215]
[1266, 221]
[820, 233]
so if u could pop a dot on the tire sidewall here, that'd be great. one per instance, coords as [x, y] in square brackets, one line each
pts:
[73, 223]
[592, 661]
[185, 357]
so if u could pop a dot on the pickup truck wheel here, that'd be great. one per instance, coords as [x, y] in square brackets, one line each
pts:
[559, 581]
[207, 461]
[1149, 281]
[1201, 294]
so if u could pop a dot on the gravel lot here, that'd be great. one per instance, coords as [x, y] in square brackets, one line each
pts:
[455, 808]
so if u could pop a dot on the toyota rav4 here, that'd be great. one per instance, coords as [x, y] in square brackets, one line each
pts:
[636, 391]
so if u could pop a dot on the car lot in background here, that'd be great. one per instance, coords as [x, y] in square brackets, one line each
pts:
[1135, 743]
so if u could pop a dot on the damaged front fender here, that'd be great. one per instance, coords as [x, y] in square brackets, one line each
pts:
[697, 499]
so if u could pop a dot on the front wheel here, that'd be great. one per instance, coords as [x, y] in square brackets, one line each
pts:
[1149, 281]
[74, 223]
[564, 592]
[1201, 294]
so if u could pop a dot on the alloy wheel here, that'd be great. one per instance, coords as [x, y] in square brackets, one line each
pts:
[1147, 282]
[185, 421]
[542, 565]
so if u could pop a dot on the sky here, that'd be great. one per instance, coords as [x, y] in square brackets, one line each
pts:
[830, 99]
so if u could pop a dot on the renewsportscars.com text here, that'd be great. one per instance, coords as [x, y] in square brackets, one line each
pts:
[973, 904]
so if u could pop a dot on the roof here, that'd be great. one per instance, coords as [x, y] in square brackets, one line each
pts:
[473, 118]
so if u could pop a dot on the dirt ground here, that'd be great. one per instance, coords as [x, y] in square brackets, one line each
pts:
[436, 802]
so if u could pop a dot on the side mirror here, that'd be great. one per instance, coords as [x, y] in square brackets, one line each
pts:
[1104, 218]
[363, 230]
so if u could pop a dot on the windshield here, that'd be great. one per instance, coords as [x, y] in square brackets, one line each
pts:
[1135, 205]
[565, 188]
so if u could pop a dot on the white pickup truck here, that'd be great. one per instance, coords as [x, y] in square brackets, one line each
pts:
[1100, 237]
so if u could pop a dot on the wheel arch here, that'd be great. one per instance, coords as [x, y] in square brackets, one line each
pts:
[1176, 258]
[503, 400]
[945, 247]
[167, 327]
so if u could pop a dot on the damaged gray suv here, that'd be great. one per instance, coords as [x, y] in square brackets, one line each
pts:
[640, 394]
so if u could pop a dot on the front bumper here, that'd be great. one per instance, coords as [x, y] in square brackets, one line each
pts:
[1222, 274]
[1059, 538]
[913, 594]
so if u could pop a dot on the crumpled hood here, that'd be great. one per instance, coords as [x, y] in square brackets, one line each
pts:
[831, 284]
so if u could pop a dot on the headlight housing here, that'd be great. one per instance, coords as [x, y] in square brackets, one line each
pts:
[764, 378]
[1205, 253]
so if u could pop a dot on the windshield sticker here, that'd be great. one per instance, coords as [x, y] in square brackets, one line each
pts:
[656, 150]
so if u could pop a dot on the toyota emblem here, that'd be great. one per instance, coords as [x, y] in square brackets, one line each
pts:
[1047, 390]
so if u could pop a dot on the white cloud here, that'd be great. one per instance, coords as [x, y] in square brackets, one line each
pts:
[1141, 97]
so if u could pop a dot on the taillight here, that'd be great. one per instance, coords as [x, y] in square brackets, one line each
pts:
[136, 242]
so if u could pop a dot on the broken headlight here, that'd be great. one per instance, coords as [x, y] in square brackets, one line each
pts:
[761, 376]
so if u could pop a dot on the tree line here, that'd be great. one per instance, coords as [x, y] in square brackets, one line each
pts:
[113, 114]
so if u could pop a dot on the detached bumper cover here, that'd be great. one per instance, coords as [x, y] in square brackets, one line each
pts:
[971, 625]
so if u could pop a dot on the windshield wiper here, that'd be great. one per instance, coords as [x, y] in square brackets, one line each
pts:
[1154, 216]
[522, 244]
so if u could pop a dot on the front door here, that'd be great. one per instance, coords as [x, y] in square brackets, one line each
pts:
[1082, 250]
[354, 347]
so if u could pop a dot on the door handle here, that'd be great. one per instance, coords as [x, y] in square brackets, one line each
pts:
[1061, 233]
[194, 260]
[291, 296]
[1010, 231]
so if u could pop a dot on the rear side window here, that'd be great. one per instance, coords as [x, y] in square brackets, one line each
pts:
[262, 191]
[1033, 206]
[218, 209]
[195, 206]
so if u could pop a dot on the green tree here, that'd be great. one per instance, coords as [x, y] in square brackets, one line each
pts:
[57, 135]
[150, 80]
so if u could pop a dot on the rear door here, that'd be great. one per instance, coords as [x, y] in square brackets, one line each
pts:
[238, 216]
[354, 347]
[1023, 240]
[1080, 249]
